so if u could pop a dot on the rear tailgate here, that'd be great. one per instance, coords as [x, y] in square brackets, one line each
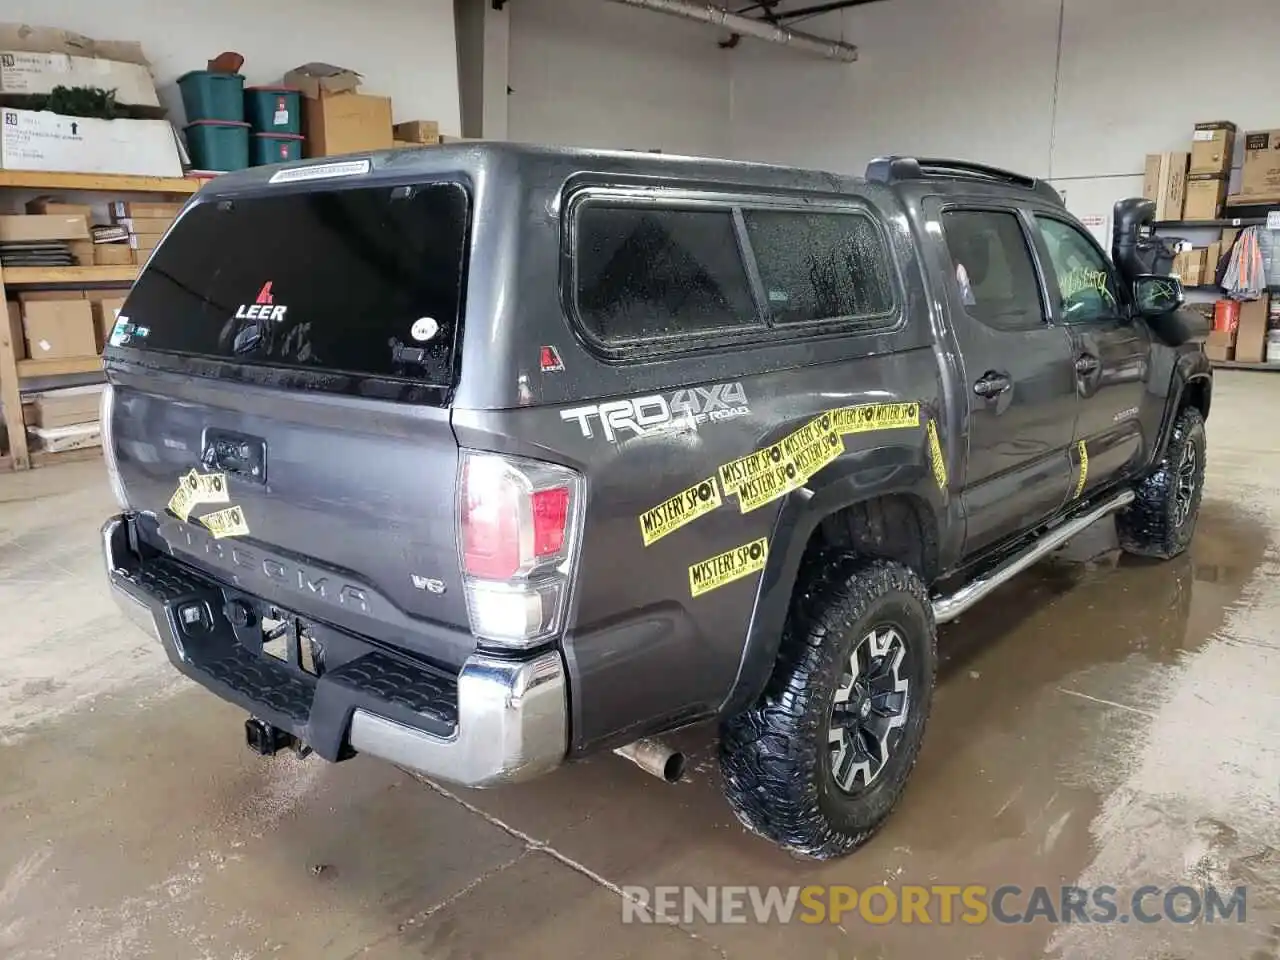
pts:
[301, 345]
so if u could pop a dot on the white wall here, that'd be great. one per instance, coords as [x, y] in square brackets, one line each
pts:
[977, 80]
[404, 48]
[592, 73]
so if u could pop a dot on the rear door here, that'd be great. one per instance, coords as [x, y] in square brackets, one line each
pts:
[1018, 375]
[1110, 352]
[301, 346]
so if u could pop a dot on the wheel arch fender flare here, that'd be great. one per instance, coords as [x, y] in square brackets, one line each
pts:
[883, 471]
[1192, 382]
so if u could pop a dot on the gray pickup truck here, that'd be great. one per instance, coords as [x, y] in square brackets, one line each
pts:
[481, 459]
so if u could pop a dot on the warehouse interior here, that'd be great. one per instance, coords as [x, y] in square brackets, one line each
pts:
[1101, 722]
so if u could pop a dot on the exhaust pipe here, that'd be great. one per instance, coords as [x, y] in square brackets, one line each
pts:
[653, 756]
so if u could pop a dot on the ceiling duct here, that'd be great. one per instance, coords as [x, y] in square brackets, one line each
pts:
[747, 27]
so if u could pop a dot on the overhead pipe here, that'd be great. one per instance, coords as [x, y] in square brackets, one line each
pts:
[747, 27]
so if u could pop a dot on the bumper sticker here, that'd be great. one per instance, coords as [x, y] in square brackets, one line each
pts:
[1084, 469]
[770, 485]
[226, 523]
[936, 460]
[818, 454]
[685, 507]
[727, 567]
[875, 416]
[735, 474]
[197, 488]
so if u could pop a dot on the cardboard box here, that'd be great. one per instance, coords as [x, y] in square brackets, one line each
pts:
[1189, 267]
[26, 226]
[112, 254]
[314, 80]
[1212, 255]
[1165, 181]
[36, 74]
[346, 123]
[30, 38]
[1220, 345]
[56, 208]
[14, 311]
[129, 210]
[1212, 146]
[1205, 197]
[43, 140]
[105, 311]
[146, 225]
[82, 250]
[61, 408]
[33, 296]
[1251, 334]
[417, 131]
[1260, 177]
[144, 242]
[58, 328]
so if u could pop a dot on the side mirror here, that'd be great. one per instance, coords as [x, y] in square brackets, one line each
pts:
[1156, 295]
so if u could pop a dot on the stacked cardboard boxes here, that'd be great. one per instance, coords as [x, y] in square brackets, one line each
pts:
[146, 223]
[1212, 146]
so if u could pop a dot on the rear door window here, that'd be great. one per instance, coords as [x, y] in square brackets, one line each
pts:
[364, 281]
[822, 266]
[647, 272]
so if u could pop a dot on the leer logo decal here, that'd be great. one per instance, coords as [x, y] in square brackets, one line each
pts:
[727, 567]
[263, 307]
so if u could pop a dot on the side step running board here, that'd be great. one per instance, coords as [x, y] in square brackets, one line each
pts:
[946, 609]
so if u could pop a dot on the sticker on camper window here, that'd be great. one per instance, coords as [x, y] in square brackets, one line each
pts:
[684, 508]
[423, 329]
[727, 567]
[121, 332]
[226, 523]
[875, 416]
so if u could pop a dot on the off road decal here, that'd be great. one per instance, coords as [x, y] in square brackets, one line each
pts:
[1084, 469]
[936, 460]
[875, 416]
[685, 507]
[728, 566]
[770, 485]
[735, 474]
[226, 523]
[197, 488]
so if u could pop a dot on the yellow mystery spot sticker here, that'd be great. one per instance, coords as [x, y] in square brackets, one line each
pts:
[197, 488]
[936, 460]
[770, 485]
[226, 523]
[818, 454]
[728, 566]
[806, 436]
[685, 507]
[875, 416]
[738, 472]
[1084, 469]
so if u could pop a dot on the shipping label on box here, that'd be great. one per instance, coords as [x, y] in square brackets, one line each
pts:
[38, 73]
[42, 140]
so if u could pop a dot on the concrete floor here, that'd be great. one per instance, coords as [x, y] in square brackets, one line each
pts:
[1107, 722]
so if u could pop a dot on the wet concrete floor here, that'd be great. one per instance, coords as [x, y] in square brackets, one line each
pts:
[1107, 722]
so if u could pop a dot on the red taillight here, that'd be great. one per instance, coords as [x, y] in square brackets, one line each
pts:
[490, 524]
[550, 519]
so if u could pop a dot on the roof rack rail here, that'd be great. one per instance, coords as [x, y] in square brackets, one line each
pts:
[897, 169]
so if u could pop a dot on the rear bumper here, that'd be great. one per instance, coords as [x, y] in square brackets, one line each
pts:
[497, 721]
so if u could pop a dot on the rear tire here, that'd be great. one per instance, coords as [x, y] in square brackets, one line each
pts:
[1162, 519]
[819, 761]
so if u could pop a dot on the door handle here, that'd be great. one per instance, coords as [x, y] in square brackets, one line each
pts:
[1086, 364]
[992, 385]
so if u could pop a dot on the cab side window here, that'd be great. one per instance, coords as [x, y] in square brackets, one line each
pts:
[1087, 288]
[993, 270]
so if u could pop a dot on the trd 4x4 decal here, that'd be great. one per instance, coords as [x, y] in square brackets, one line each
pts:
[682, 410]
